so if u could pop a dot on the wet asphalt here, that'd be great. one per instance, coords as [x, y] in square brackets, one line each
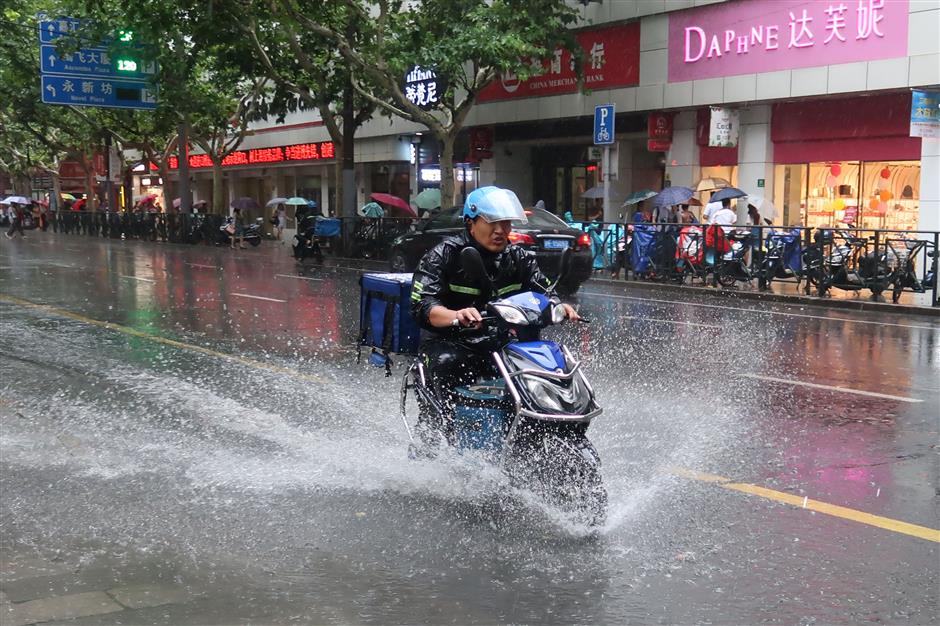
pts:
[186, 437]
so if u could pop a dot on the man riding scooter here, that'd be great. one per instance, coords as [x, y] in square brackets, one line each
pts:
[446, 302]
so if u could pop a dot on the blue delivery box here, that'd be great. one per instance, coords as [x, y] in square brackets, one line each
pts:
[385, 321]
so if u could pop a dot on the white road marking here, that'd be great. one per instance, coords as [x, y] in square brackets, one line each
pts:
[858, 392]
[758, 311]
[299, 277]
[146, 280]
[208, 267]
[245, 295]
[662, 321]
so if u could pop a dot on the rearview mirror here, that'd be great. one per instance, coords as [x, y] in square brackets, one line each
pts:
[472, 264]
[564, 264]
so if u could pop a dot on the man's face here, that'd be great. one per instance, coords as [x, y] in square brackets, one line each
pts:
[494, 236]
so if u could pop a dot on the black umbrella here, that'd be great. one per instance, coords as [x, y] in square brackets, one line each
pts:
[245, 204]
[728, 193]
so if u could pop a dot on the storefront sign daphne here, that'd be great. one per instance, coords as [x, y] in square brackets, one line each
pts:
[611, 59]
[423, 87]
[754, 36]
[925, 114]
[723, 128]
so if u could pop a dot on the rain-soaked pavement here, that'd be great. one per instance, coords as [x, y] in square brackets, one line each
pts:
[187, 438]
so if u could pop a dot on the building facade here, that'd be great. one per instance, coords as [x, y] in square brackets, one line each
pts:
[814, 100]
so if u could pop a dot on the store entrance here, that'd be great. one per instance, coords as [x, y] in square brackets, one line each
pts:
[562, 175]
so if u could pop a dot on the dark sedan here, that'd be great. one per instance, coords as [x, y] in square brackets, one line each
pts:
[545, 236]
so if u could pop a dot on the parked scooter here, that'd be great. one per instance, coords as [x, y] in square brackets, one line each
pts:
[313, 233]
[781, 259]
[250, 235]
[848, 265]
[904, 275]
[532, 420]
[733, 265]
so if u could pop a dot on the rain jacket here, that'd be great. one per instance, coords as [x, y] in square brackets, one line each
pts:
[441, 281]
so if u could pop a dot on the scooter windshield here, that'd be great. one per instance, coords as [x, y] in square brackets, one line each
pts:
[529, 300]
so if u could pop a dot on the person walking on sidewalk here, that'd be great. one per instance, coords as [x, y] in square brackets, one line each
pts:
[16, 221]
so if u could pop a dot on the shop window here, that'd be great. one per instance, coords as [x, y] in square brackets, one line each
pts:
[890, 195]
[876, 194]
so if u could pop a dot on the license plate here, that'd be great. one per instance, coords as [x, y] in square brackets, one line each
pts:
[555, 244]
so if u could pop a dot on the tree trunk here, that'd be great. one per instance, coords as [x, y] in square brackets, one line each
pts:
[447, 168]
[349, 142]
[168, 196]
[218, 203]
[56, 199]
[91, 199]
[337, 207]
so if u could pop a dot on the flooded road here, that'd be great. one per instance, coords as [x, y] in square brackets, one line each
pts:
[186, 437]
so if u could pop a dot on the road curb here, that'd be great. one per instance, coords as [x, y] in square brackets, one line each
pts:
[833, 303]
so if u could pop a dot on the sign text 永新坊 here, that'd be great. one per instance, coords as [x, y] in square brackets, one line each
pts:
[754, 36]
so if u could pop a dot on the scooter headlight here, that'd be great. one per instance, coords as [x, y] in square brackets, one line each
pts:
[510, 314]
[558, 313]
[543, 393]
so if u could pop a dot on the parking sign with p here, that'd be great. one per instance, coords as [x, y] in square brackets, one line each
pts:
[604, 124]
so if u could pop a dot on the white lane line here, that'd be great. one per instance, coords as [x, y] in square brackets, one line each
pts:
[758, 311]
[208, 267]
[146, 280]
[857, 392]
[299, 277]
[245, 295]
[661, 321]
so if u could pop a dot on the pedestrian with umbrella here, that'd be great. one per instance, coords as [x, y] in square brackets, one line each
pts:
[16, 213]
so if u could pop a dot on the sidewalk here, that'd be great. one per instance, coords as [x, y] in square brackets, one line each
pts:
[789, 293]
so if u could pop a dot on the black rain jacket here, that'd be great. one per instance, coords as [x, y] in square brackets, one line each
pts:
[440, 279]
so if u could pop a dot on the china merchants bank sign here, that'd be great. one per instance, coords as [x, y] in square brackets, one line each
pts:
[755, 36]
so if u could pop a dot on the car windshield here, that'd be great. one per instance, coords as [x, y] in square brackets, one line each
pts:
[449, 218]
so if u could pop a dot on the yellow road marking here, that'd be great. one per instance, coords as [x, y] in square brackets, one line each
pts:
[158, 339]
[921, 532]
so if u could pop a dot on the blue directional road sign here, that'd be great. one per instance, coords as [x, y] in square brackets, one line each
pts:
[604, 124]
[95, 62]
[50, 30]
[98, 92]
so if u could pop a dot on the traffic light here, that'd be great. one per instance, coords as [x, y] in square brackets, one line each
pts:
[124, 60]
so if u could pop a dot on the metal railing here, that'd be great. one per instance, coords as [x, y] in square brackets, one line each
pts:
[664, 256]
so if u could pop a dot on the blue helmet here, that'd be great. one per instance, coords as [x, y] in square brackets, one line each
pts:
[494, 205]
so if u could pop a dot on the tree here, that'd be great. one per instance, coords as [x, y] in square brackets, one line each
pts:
[204, 94]
[470, 43]
[308, 73]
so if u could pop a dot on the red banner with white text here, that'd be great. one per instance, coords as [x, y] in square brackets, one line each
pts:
[611, 59]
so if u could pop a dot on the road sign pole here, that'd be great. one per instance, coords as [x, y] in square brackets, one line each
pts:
[606, 175]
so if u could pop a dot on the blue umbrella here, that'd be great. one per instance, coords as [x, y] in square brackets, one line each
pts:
[728, 193]
[671, 196]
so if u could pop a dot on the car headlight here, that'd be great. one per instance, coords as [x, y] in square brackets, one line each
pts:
[510, 314]
[558, 313]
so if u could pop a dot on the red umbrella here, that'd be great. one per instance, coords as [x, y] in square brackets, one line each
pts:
[395, 201]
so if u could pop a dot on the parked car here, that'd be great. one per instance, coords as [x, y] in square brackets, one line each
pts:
[545, 236]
